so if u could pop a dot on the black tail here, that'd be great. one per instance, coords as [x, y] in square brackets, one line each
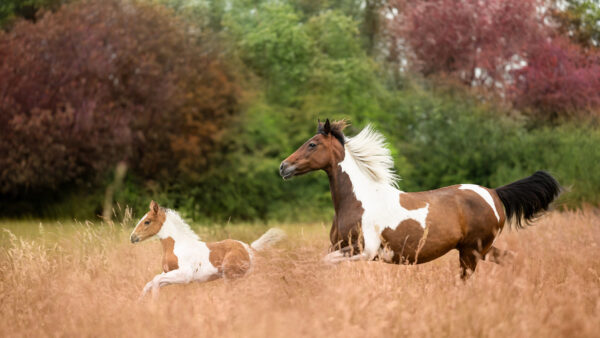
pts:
[528, 198]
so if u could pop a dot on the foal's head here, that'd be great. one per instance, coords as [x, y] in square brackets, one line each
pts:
[150, 224]
[322, 151]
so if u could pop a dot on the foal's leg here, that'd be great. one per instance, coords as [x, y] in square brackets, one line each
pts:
[172, 277]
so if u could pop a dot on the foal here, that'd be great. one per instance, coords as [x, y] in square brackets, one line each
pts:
[186, 258]
[375, 219]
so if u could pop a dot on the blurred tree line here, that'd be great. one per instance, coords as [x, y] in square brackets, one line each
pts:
[203, 99]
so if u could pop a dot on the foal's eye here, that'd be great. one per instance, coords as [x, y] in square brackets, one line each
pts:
[312, 145]
[147, 222]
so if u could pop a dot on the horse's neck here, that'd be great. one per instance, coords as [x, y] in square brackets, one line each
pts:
[179, 232]
[341, 189]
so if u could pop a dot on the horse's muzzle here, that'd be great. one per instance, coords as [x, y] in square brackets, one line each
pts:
[134, 238]
[286, 171]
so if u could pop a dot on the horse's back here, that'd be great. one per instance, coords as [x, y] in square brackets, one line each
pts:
[456, 216]
[468, 204]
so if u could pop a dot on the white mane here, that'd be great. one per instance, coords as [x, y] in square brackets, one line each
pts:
[370, 153]
[178, 222]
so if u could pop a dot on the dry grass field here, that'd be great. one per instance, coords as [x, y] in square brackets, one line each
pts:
[84, 280]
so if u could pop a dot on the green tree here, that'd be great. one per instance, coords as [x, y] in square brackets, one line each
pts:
[579, 21]
[27, 9]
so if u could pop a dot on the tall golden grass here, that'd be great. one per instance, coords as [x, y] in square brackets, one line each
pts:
[84, 280]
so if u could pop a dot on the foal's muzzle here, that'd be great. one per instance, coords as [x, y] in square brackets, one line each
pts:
[286, 170]
[134, 238]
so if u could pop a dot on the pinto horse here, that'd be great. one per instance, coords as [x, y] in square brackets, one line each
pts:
[186, 258]
[373, 219]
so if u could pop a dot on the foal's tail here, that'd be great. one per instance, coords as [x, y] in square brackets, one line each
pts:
[528, 198]
[268, 239]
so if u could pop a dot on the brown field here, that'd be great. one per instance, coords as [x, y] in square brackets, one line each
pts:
[84, 280]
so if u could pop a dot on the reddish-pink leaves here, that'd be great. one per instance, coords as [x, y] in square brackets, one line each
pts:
[104, 81]
[508, 47]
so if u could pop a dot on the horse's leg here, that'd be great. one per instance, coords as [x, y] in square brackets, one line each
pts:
[369, 252]
[338, 256]
[468, 262]
[178, 276]
[496, 255]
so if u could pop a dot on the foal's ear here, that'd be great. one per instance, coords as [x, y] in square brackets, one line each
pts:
[154, 207]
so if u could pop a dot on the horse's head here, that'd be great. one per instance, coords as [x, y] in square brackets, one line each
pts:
[322, 151]
[150, 224]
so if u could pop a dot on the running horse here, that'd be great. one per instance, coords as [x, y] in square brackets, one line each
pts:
[373, 219]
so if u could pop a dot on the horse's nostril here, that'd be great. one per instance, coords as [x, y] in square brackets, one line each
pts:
[282, 166]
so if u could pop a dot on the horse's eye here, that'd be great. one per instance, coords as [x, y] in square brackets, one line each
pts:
[147, 222]
[312, 145]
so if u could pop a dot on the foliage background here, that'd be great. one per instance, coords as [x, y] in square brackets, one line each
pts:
[203, 99]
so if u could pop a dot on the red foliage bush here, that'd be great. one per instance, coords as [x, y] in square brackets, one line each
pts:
[560, 80]
[472, 39]
[102, 81]
[502, 45]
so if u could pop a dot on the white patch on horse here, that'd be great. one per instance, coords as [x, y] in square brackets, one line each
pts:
[484, 194]
[138, 223]
[192, 254]
[369, 165]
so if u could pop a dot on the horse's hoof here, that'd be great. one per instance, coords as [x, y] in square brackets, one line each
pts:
[333, 257]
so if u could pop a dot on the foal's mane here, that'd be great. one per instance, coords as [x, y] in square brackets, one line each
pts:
[174, 217]
[369, 151]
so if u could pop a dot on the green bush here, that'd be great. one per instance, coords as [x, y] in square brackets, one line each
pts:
[450, 138]
[569, 152]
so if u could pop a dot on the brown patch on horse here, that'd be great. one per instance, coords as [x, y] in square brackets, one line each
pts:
[482, 224]
[170, 260]
[499, 207]
[346, 227]
[230, 257]
[480, 227]
[404, 240]
[410, 202]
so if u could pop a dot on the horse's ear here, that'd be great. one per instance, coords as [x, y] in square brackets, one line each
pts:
[327, 127]
[154, 207]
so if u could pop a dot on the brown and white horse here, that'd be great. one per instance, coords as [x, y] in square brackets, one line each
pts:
[186, 258]
[375, 219]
